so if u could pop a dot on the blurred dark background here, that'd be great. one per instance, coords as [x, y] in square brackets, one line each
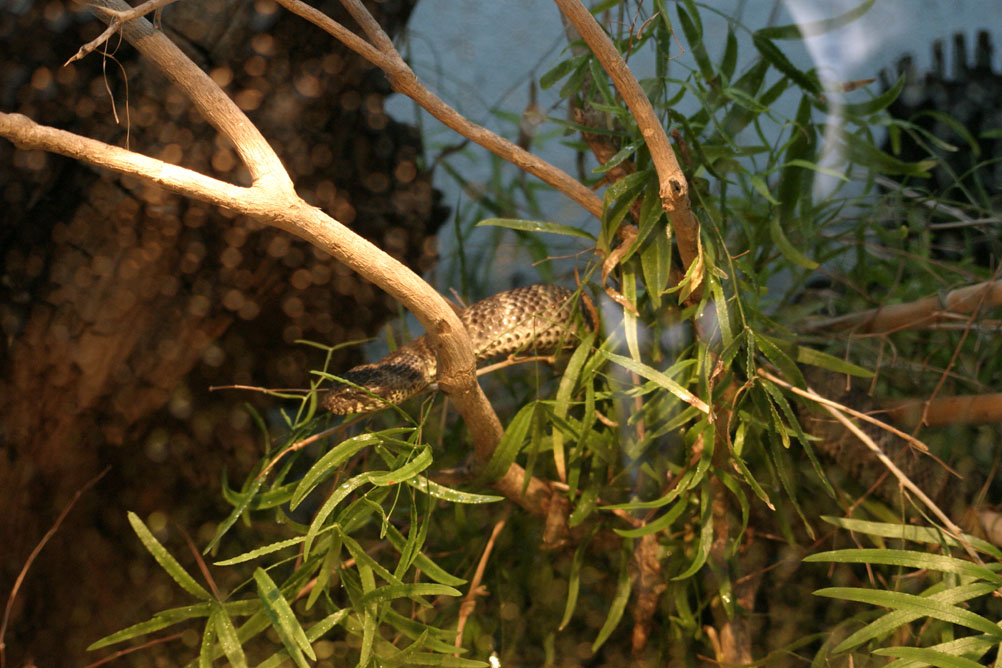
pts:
[121, 304]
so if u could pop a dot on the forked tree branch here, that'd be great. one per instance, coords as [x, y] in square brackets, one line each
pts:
[403, 80]
[272, 199]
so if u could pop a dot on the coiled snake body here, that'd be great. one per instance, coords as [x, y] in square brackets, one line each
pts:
[536, 318]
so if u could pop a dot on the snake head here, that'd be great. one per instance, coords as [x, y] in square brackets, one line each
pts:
[370, 387]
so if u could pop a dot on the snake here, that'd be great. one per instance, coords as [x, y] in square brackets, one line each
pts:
[541, 319]
[536, 318]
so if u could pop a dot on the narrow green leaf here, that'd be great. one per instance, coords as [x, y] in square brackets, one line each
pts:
[424, 562]
[929, 656]
[730, 58]
[618, 604]
[891, 621]
[660, 524]
[814, 357]
[573, 585]
[261, 551]
[772, 53]
[908, 559]
[159, 621]
[227, 636]
[705, 535]
[786, 248]
[535, 226]
[913, 533]
[166, 560]
[918, 605]
[283, 619]
[511, 442]
[661, 379]
[655, 262]
[326, 465]
[877, 103]
[206, 650]
[560, 70]
[434, 489]
[762, 188]
[561, 406]
[390, 592]
[369, 619]
[815, 28]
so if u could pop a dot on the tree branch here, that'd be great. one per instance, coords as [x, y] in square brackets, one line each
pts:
[273, 200]
[674, 189]
[404, 81]
[924, 311]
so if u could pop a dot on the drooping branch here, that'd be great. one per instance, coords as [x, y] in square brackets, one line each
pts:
[403, 80]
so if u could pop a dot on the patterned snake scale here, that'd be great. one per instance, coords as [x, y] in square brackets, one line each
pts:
[537, 318]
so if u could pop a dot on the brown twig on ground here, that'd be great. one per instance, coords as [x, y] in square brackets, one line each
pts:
[674, 188]
[34, 555]
[403, 80]
[918, 313]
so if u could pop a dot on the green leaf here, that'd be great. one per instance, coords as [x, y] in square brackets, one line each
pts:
[227, 636]
[510, 444]
[535, 226]
[908, 559]
[762, 188]
[573, 584]
[877, 103]
[659, 378]
[434, 489]
[693, 30]
[660, 524]
[424, 562]
[787, 249]
[618, 604]
[888, 623]
[705, 535]
[913, 533]
[326, 465]
[159, 621]
[283, 619]
[260, 552]
[245, 501]
[560, 70]
[166, 561]
[814, 357]
[807, 81]
[815, 28]
[929, 656]
[917, 605]
[390, 592]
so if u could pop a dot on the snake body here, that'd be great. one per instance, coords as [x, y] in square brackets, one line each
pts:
[537, 318]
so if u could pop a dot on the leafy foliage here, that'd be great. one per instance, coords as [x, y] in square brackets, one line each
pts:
[693, 490]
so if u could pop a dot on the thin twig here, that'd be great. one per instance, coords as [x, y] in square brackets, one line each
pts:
[469, 603]
[34, 555]
[118, 18]
[839, 412]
